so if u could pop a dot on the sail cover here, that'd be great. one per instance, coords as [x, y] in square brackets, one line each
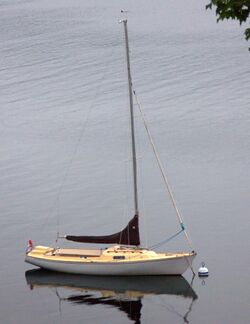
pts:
[128, 236]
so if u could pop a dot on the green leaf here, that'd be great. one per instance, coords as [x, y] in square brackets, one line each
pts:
[232, 9]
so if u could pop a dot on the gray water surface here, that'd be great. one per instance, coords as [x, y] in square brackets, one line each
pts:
[65, 154]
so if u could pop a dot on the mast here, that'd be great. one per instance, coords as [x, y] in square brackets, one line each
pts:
[131, 119]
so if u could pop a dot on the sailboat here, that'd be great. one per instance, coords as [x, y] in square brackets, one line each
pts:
[125, 256]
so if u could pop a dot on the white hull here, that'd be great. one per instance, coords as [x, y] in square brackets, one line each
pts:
[175, 266]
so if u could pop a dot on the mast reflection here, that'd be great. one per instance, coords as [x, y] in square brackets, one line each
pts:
[123, 293]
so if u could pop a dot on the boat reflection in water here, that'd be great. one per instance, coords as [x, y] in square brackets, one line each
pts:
[123, 293]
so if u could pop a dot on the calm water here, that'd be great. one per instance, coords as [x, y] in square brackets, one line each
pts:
[65, 155]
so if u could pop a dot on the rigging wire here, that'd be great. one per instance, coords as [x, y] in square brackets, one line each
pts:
[164, 175]
[78, 141]
[141, 180]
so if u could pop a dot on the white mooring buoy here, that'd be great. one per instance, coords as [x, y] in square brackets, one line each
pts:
[203, 271]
